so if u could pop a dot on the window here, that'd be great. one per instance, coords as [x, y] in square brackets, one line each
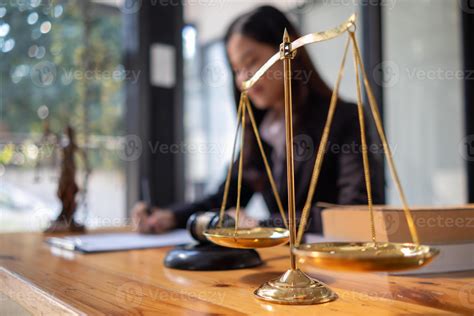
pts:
[327, 56]
[423, 123]
[209, 114]
[210, 118]
[424, 99]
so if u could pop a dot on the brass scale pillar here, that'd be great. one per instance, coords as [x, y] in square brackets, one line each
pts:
[293, 287]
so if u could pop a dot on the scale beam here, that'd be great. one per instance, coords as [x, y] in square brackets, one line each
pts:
[302, 41]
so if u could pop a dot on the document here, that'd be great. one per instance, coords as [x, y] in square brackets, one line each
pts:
[92, 243]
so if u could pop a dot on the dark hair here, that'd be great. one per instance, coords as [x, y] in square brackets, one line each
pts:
[266, 24]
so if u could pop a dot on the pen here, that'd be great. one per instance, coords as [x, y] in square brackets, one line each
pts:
[146, 194]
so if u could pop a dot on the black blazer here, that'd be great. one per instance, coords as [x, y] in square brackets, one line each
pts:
[341, 180]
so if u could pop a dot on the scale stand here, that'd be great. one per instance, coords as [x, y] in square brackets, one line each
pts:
[294, 287]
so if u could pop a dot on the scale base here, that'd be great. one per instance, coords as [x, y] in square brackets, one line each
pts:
[295, 288]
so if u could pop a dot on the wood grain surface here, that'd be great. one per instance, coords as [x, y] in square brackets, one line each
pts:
[137, 283]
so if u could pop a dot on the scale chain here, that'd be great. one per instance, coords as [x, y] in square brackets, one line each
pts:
[388, 151]
[239, 175]
[265, 161]
[363, 137]
[321, 149]
[229, 170]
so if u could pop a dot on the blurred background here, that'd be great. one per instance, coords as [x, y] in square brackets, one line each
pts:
[147, 87]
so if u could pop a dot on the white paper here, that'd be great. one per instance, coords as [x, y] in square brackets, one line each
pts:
[128, 241]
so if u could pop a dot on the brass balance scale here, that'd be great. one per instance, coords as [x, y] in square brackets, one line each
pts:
[294, 286]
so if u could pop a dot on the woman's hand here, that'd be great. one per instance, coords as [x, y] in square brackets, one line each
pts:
[159, 221]
[245, 221]
[139, 215]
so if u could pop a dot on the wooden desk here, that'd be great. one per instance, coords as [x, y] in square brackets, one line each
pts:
[135, 282]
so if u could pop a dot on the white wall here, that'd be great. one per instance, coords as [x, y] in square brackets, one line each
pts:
[424, 104]
[327, 55]
[212, 17]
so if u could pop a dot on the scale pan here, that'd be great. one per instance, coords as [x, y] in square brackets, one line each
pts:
[260, 237]
[365, 256]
